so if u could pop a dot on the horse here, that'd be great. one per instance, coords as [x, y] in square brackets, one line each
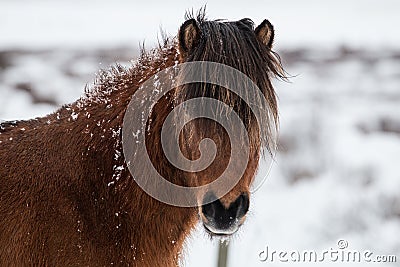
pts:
[67, 196]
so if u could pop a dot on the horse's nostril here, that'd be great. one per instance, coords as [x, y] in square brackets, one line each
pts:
[241, 205]
[209, 210]
[223, 217]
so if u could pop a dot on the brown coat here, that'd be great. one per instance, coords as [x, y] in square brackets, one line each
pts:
[66, 195]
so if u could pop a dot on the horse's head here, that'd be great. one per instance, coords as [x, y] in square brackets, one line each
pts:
[241, 46]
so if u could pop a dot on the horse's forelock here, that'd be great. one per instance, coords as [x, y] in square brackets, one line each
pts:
[235, 44]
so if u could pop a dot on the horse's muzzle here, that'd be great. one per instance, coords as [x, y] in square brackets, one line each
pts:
[222, 221]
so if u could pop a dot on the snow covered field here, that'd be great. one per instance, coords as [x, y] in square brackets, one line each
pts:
[337, 174]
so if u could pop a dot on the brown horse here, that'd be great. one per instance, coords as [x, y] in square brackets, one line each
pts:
[67, 197]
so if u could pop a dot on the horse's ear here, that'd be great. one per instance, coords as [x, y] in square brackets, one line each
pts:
[265, 33]
[189, 35]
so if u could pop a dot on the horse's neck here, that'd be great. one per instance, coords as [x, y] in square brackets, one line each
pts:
[153, 231]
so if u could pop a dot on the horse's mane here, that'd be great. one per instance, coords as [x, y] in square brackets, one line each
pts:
[235, 44]
[275, 64]
[120, 77]
[232, 43]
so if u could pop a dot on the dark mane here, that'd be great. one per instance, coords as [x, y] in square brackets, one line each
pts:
[232, 43]
[235, 44]
[200, 15]
[226, 52]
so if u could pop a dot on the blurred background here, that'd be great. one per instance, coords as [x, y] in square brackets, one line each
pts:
[337, 173]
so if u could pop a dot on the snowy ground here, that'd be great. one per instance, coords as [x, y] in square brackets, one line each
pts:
[337, 175]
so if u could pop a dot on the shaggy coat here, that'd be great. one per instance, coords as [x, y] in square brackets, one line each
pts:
[66, 195]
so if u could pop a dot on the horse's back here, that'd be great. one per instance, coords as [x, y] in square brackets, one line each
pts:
[29, 211]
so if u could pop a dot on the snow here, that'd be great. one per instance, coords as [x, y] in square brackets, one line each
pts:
[74, 23]
[336, 175]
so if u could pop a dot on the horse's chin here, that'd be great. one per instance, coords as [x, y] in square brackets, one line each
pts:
[223, 233]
